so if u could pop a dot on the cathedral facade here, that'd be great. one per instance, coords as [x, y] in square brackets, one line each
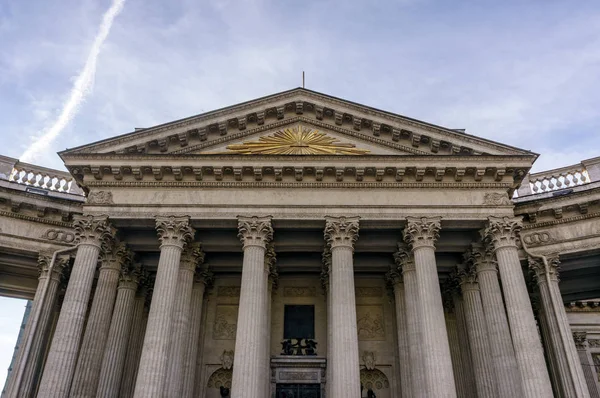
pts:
[301, 245]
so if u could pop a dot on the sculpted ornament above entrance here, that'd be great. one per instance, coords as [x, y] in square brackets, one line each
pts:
[296, 141]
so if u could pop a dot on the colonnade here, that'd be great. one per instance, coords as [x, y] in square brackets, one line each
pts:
[478, 337]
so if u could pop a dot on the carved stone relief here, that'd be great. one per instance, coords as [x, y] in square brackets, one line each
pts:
[537, 238]
[374, 379]
[227, 359]
[369, 360]
[220, 378]
[59, 235]
[368, 291]
[496, 199]
[225, 324]
[294, 291]
[228, 291]
[370, 324]
[100, 198]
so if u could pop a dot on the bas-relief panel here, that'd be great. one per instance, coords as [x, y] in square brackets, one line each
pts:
[225, 324]
[299, 291]
[369, 322]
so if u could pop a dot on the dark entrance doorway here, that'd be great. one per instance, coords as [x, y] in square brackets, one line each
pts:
[298, 391]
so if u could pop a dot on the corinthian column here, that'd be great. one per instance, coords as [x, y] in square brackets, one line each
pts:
[270, 264]
[394, 278]
[44, 306]
[203, 279]
[340, 235]
[85, 381]
[325, 272]
[92, 233]
[191, 257]
[568, 366]
[249, 372]
[483, 370]
[421, 234]
[174, 233]
[113, 362]
[501, 347]
[580, 339]
[502, 233]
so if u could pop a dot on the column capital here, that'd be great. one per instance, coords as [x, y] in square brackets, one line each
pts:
[403, 259]
[468, 278]
[255, 231]
[394, 276]
[422, 231]
[192, 256]
[502, 231]
[325, 268]
[580, 339]
[539, 269]
[44, 260]
[174, 230]
[93, 230]
[341, 231]
[130, 277]
[480, 257]
[116, 257]
[204, 275]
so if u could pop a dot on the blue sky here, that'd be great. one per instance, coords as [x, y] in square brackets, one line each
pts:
[524, 73]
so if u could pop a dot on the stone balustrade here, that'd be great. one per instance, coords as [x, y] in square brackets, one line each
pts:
[582, 173]
[36, 176]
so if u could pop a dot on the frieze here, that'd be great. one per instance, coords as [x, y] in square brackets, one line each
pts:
[59, 235]
[298, 376]
[369, 322]
[299, 291]
[368, 291]
[228, 291]
[100, 198]
[225, 325]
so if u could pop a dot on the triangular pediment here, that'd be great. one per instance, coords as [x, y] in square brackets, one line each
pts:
[348, 124]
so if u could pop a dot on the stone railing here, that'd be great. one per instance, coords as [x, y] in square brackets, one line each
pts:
[565, 177]
[36, 176]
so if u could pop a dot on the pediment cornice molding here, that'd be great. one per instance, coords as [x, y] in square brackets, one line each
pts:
[238, 121]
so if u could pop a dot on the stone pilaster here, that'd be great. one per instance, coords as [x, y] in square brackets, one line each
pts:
[580, 339]
[509, 382]
[136, 338]
[395, 279]
[568, 366]
[191, 257]
[174, 234]
[85, 380]
[21, 381]
[92, 233]
[340, 235]
[502, 234]
[249, 371]
[421, 234]
[405, 261]
[113, 362]
[203, 279]
[483, 370]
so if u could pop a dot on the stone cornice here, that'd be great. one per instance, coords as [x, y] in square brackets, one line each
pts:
[35, 219]
[295, 102]
[543, 224]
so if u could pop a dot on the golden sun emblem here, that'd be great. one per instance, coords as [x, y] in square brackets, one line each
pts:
[296, 141]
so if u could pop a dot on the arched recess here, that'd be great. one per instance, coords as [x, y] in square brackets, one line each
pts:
[377, 381]
[220, 377]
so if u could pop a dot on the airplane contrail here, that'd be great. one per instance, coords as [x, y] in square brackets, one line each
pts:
[81, 88]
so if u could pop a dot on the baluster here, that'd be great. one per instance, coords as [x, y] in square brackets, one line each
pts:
[575, 179]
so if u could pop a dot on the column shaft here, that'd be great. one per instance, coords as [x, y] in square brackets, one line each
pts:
[62, 358]
[134, 347]
[458, 367]
[153, 363]
[468, 379]
[478, 341]
[501, 347]
[85, 380]
[346, 379]
[526, 341]
[403, 344]
[249, 367]
[111, 370]
[588, 366]
[438, 363]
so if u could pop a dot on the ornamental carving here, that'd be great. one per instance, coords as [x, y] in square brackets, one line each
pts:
[368, 291]
[116, 257]
[299, 291]
[421, 232]
[539, 268]
[44, 261]
[341, 231]
[59, 235]
[228, 291]
[100, 198]
[225, 325]
[594, 343]
[369, 322]
[227, 359]
[537, 239]
[174, 230]
[296, 141]
[192, 257]
[93, 230]
[481, 258]
[502, 231]
[374, 379]
[255, 231]
[220, 378]
[369, 360]
[496, 199]
[468, 278]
